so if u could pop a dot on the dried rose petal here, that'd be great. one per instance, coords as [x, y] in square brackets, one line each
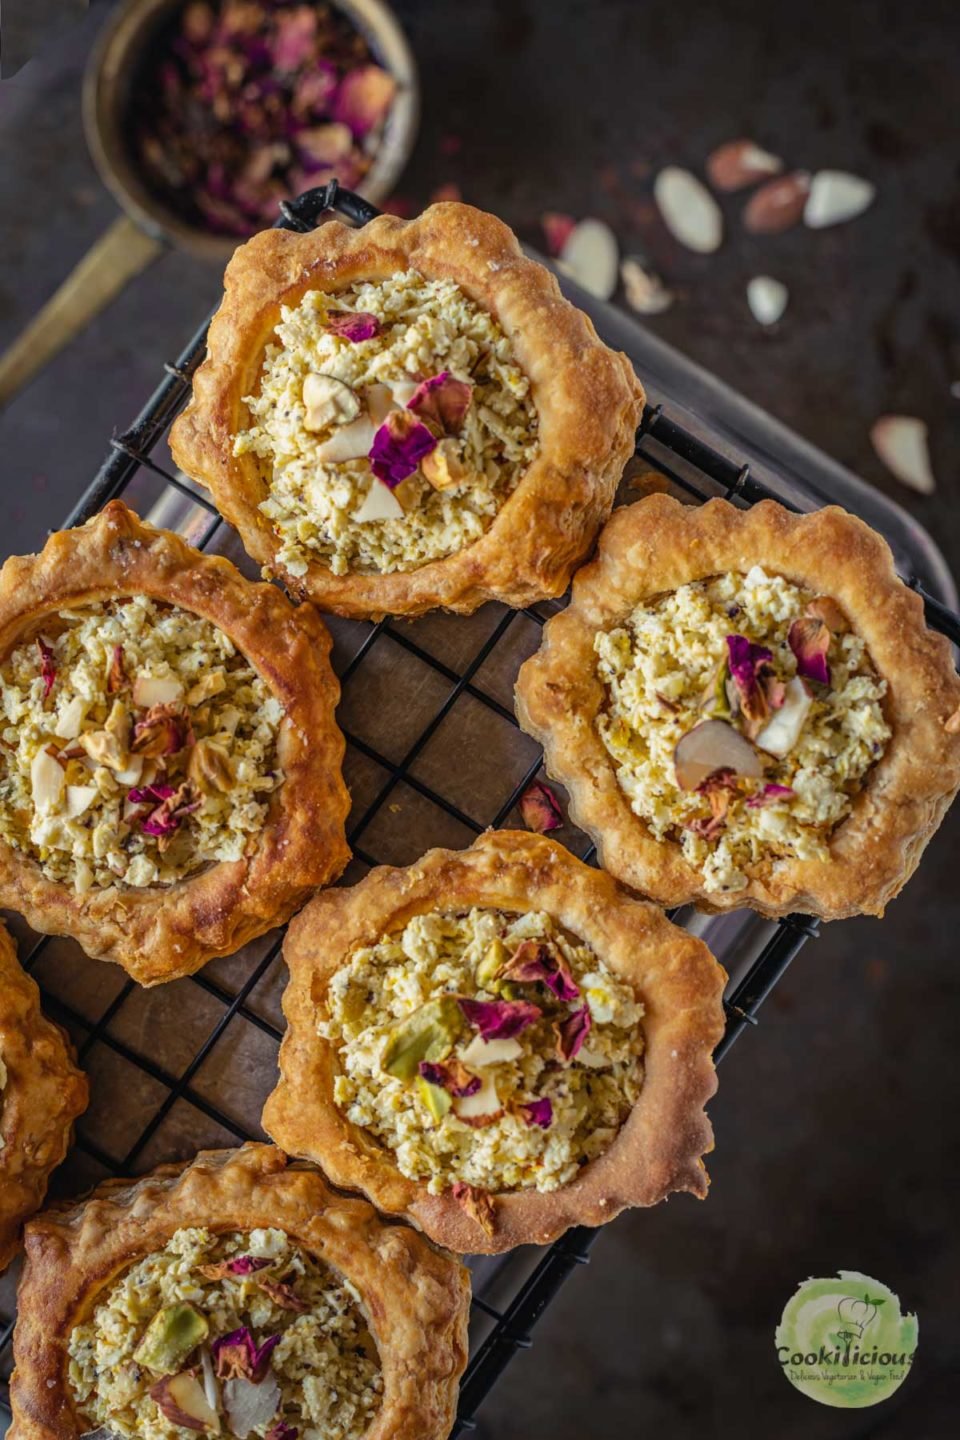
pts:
[500, 1019]
[164, 730]
[282, 1431]
[718, 789]
[557, 229]
[283, 1295]
[240, 1264]
[238, 1355]
[363, 99]
[538, 1112]
[477, 1204]
[769, 795]
[293, 44]
[325, 145]
[448, 191]
[809, 639]
[145, 794]
[747, 662]
[451, 1076]
[398, 446]
[48, 668]
[354, 325]
[170, 813]
[443, 400]
[539, 808]
[572, 1032]
[534, 963]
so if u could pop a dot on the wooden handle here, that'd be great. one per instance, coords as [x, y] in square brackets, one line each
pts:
[122, 252]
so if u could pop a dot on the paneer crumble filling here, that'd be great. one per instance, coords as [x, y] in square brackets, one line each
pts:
[486, 1050]
[391, 423]
[237, 1335]
[743, 715]
[137, 746]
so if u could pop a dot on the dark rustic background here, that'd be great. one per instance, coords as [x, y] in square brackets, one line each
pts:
[836, 1124]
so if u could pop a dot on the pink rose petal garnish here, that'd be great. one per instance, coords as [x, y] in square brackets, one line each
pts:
[353, 325]
[48, 669]
[539, 808]
[557, 229]
[363, 99]
[500, 1019]
[444, 400]
[535, 964]
[572, 1032]
[769, 795]
[240, 1264]
[282, 1431]
[538, 1112]
[809, 639]
[746, 664]
[398, 446]
[237, 1355]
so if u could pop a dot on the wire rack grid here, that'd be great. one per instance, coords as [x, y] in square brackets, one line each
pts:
[187, 1065]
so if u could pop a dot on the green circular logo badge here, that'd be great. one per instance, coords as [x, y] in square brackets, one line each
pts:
[844, 1341]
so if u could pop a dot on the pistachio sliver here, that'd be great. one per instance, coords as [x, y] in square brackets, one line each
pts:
[430, 1033]
[172, 1334]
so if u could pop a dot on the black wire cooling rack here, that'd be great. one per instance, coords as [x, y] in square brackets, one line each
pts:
[510, 1294]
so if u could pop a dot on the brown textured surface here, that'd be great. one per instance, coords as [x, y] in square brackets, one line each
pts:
[43, 1095]
[587, 398]
[659, 1149]
[656, 546]
[416, 1299]
[160, 933]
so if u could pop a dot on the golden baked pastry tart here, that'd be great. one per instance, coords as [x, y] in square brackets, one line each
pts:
[41, 1094]
[408, 415]
[169, 762]
[238, 1296]
[497, 1043]
[747, 709]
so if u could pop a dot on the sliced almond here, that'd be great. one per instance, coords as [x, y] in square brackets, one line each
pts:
[739, 163]
[70, 720]
[379, 401]
[782, 730]
[379, 503]
[902, 442]
[711, 746]
[79, 799]
[836, 196]
[778, 205]
[591, 255]
[484, 1104]
[482, 1052]
[46, 782]
[348, 442]
[404, 390]
[688, 209]
[767, 299]
[645, 292]
[150, 690]
[328, 401]
[214, 682]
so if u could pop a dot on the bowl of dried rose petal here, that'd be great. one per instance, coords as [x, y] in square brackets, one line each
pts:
[203, 115]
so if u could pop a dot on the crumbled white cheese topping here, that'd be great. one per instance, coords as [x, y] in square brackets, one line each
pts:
[325, 1364]
[442, 954]
[74, 766]
[318, 509]
[655, 669]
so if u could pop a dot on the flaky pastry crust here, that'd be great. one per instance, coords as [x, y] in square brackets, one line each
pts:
[660, 1146]
[587, 397]
[43, 1095]
[161, 933]
[657, 545]
[416, 1300]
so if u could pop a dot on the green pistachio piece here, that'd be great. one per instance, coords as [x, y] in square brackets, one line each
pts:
[435, 1098]
[430, 1033]
[169, 1338]
[715, 700]
[491, 965]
